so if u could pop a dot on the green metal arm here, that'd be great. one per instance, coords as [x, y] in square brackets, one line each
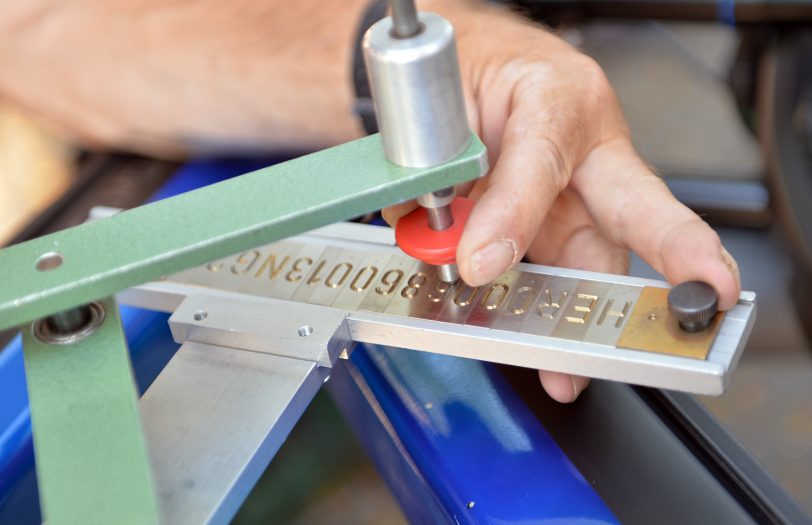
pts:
[91, 459]
[100, 258]
[92, 464]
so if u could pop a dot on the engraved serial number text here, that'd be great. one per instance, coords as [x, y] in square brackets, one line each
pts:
[521, 302]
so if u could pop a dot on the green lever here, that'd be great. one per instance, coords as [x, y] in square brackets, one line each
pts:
[92, 465]
[75, 266]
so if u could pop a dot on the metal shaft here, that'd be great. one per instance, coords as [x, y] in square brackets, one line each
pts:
[440, 218]
[69, 321]
[404, 18]
[449, 273]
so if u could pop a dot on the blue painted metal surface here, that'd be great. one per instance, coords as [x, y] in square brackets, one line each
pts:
[457, 444]
[453, 440]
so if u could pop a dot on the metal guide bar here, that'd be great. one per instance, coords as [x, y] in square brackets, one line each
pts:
[96, 259]
[214, 418]
[533, 316]
[528, 302]
[92, 465]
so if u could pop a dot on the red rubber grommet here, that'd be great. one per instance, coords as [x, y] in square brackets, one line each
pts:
[416, 238]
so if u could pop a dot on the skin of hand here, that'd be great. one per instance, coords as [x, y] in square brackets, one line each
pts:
[172, 77]
[566, 187]
[169, 78]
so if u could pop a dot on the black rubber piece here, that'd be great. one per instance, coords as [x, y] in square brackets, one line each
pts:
[694, 304]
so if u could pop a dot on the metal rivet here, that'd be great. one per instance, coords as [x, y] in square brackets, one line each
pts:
[200, 315]
[49, 261]
[652, 316]
[471, 504]
[305, 330]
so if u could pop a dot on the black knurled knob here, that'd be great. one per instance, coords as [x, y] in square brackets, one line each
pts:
[694, 304]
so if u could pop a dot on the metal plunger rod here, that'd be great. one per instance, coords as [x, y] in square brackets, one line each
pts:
[440, 218]
[416, 85]
[405, 25]
[404, 18]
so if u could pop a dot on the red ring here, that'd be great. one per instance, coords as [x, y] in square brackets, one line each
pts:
[416, 238]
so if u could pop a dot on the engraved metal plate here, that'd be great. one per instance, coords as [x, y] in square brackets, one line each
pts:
[593, 324]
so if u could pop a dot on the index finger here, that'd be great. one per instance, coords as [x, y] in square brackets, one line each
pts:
[634, 208]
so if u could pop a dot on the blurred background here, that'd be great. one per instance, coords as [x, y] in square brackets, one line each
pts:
[722, 112]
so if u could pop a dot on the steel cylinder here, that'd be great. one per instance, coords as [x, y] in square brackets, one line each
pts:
[417, 91]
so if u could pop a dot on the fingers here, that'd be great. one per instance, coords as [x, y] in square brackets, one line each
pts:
[528, 176]
[587, 249]
[564, 388]
[393, 213]
[566, 217]
[634, 208]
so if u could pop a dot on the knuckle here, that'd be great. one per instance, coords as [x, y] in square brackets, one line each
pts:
[555, 166]
[592, 83]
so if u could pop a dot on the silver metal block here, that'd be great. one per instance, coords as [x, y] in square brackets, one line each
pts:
[313, 333]
[370, 269]
[213, 420]
[613, 314]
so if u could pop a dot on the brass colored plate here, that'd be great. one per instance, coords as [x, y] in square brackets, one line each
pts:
[652, 328]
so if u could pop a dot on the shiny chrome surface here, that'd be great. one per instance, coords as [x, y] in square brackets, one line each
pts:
[449, 273]
[417, 92]
[404, 18]
[71, 326]
[440, 218]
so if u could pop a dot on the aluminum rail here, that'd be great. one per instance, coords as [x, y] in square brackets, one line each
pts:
[599, 325]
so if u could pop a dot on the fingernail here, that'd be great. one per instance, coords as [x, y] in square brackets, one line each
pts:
[731, 263]
[491, 261]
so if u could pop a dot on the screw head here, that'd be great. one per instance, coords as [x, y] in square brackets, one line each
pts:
[694, 304]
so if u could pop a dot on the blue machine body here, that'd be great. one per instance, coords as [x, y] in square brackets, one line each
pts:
[453, 440]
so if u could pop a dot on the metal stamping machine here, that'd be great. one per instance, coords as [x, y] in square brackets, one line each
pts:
[268, 294]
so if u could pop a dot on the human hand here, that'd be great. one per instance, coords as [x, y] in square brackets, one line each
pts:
[567, 187]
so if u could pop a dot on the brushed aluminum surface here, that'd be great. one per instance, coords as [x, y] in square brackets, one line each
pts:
[534, 316]
[213, 420]
[417, 91]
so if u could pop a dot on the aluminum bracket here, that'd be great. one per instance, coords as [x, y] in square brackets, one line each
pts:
[214, 418]
[316, 334]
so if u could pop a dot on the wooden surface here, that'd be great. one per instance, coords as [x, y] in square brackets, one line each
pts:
[35, 169]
